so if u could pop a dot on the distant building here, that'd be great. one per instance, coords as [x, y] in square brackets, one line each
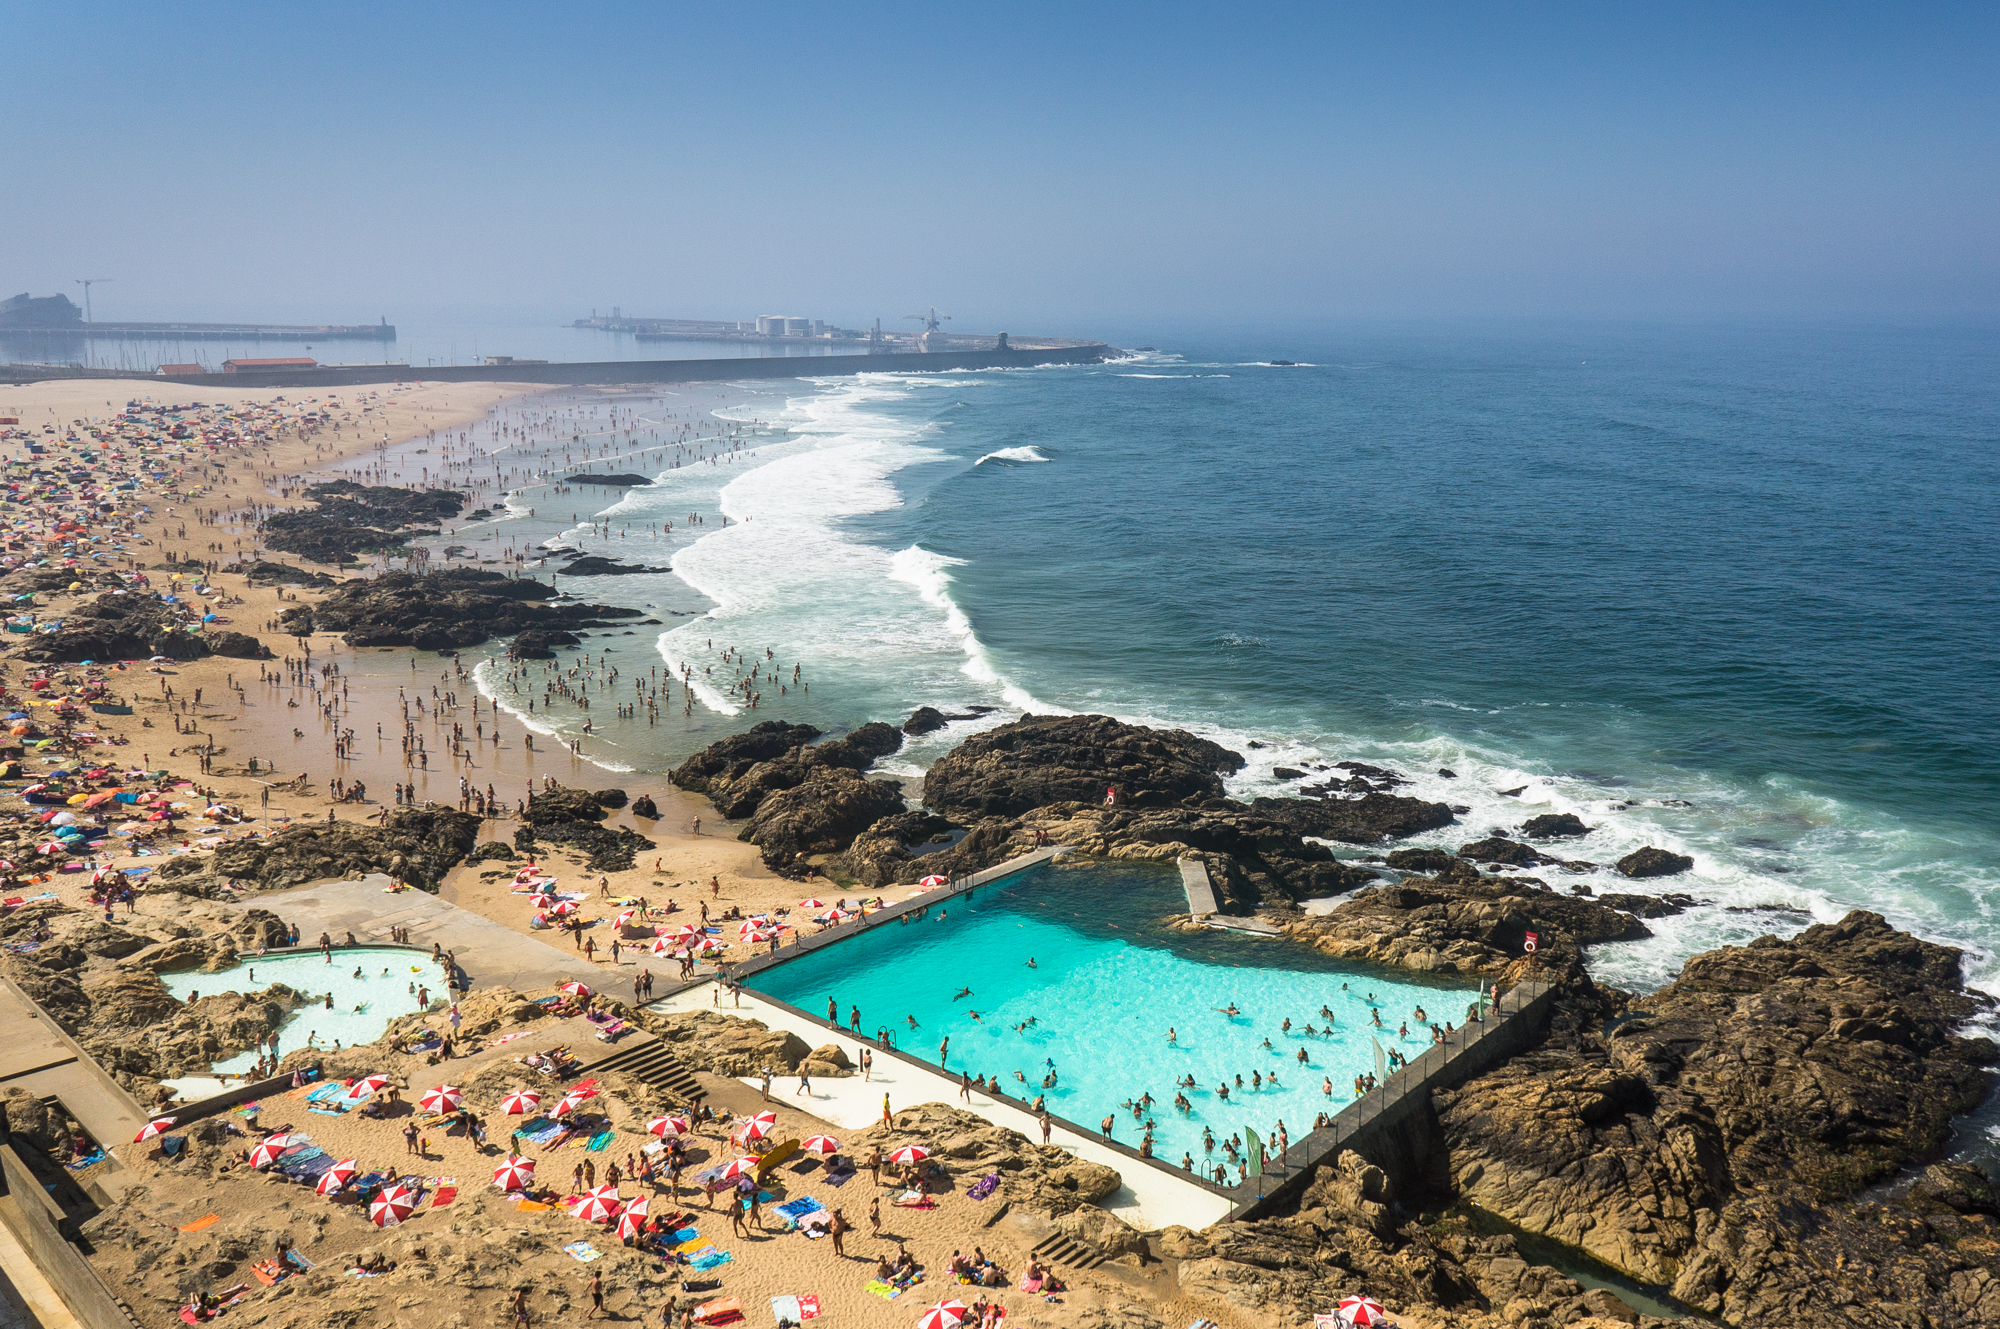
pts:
[175, 370]
[510, 360]
[798, 327]
[49, 311]
[276, 362]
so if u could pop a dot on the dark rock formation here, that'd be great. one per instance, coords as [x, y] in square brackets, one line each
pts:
[1651, 862]
[645, 808]
[1370, 819]
[924, 720]
[1714, 1142]
[1647, 906]
[266, 573]
[605, 849]
[492, 849]
[548, 807]
[1463, 922]
[1554, 826]
[419, 845]
[732, 756]
[611, 798]
[626, 480]
[1041, 760]
[536, 644]
[120, 625]
[591, 565]
[821, 814]
[347, 519]
[1499, 849]
[450, 609]
[738, 786]
[238, 646]
[1419, 860]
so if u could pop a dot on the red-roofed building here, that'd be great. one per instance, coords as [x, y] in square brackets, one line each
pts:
[282, 362]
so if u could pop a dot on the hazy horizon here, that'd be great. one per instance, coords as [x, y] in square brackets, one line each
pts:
[1077, 172]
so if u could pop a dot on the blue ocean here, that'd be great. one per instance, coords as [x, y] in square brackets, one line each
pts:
[1726, 590]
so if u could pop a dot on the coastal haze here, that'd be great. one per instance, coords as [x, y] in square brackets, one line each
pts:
[1487, 513]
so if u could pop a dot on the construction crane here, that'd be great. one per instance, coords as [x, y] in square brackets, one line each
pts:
[86, 283]
[932, 338]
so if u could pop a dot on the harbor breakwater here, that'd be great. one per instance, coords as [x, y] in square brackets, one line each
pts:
[586, 373]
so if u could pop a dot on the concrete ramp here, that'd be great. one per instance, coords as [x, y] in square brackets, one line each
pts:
[1200, 890]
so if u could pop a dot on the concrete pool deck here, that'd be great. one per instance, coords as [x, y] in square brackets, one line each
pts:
[1153, 1195]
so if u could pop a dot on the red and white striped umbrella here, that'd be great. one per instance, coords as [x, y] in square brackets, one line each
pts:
[686, 930]
[742, 1166]
[331, 1180]
[542, 901]
[625, 917]
[1362, 1312]
[514, 1174]
[157, 1126]
[570, 1103]
[442, 1099]
[752, 925]
[935, 881]
[667, 1127]
[584, 1089]
[392, 1207]
[639, 1206]
[374, 1084]
[564, 909]
[520, 1103]
[910, 1153]
[575, 989]
[756, 938]
[662, 946]
[944, 1315]
[630, 1225]
[830, 916]
[753, 1130]
[814, 903]
[821, 1145]
[267, 1153]
[595, 1208]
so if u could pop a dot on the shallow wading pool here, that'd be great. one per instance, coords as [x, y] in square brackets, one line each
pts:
[370, 986]
[1107, 984]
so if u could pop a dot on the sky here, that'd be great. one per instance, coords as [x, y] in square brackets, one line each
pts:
[1048, 168]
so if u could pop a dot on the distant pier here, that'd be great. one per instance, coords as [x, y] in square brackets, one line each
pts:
[383, 331]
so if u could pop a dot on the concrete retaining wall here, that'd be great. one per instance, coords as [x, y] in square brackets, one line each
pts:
[43, 1231]
[1391, 1126]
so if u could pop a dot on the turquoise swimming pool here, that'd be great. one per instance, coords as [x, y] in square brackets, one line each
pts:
[1117, 1006]
[370, 986]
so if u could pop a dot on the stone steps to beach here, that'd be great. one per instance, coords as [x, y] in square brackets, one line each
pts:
[651, 1062]
[1060, 1250]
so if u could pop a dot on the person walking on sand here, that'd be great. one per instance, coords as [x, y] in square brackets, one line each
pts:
[521, 1307]
[875, 1216]
[805, 1083]
[596, 1297]
[887, 1119]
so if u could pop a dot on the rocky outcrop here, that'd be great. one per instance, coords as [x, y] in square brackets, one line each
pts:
[1499, 849]
[730, 757]
[605, 849]
[726, 1045]
[1554, 826]
[820, 815]
[120, 625]
[450, 609]
[1369, 819]
[738, 788]
[1651, 862]
[419, 845]
[1714, 1140]
[1463, 922]
[591, 565]
[1040, 1178]
[1047, 759]
[538, 644]
[1420, 860]
[644, 808]
[237, 646]
[924, 720]
[347, 519]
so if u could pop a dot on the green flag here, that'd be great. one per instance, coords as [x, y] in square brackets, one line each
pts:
[1256, 1152]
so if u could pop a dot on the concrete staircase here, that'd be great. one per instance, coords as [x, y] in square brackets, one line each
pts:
[1060, 1250]
[650, 1061]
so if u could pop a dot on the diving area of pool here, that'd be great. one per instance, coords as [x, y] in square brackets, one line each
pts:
[1079, 992]
[369, 986]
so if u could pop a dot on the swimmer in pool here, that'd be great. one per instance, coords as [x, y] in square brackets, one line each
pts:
[1286, 1027]
[1268, 1047]
[962, 992]
[1173, 1039]
[1032, 964]
[357, 971]
[913, 1021]
[1229, 1010]
[974, 1014]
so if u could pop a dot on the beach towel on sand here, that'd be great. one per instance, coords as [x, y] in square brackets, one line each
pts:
[798, 1208]
[722, 1310]
[808, 1306]
[785, 1310]
[445, 1195]
[582, 1252]
[886, 1291]
[206, 1220]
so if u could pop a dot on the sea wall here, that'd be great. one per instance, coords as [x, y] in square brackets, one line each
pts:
[583, 373]
[48, 1236]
